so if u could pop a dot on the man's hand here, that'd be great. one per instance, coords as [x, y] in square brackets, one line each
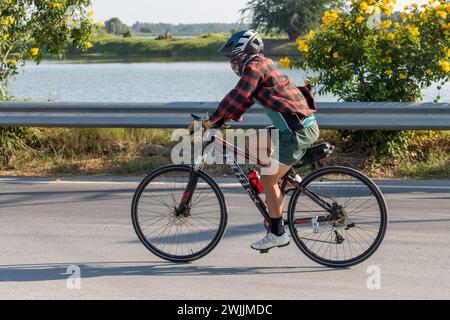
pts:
[207, 124]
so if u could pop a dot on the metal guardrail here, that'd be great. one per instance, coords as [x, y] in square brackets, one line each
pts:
[331, 115]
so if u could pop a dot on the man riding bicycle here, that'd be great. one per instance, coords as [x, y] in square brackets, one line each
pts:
[290, 108]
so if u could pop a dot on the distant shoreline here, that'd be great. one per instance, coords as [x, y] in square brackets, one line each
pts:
[198, 48]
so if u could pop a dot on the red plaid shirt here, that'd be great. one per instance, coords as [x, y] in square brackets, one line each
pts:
[263, 81]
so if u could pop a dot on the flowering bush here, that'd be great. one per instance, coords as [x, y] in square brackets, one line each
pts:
[359, 56]
[28, 27]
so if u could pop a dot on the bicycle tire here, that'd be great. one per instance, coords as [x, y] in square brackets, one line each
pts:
[145, 241]
[383, 216]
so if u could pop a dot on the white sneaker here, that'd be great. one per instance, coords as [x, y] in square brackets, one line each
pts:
[271, 241]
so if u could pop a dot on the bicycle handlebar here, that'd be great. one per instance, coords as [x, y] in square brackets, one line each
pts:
[218, 125]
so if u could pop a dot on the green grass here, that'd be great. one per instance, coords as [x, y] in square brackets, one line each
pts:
[434, 166]
[169, 48]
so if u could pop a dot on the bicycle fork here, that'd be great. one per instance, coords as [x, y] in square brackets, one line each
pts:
[185, 203]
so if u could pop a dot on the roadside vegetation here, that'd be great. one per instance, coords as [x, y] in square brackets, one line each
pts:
[62, 152]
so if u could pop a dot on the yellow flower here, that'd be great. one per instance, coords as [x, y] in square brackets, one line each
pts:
[56, 5]
[442, 14]
[90, 14]
[445, 65]
[330, 18]
[302, 45]
[386, 24]
[323, 27]
[91, 21]
[404, 16]
[335, 55]
[314, 80]
[387, 10]
[359, 19]
[309, 36]
[89, 45]
[13, 62]
[370, 9]
[389, 60]
[405, 8]
[101, 24]
[8, 21]
[8, 1]
[5, 37]
[389, 72]
[285, 62]
[403, 76]
[424, 16]
[363, 6]
[34, 51]
[429, 72]
[348, 24]
[447, 52]
[390, 36]
[414, 31]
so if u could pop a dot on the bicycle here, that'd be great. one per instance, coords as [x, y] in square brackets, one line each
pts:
[336, 215]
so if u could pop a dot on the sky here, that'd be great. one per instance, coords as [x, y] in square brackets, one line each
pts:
[179, 11]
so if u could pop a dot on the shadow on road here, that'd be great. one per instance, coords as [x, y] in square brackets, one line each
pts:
[34, 198]
[59, 271]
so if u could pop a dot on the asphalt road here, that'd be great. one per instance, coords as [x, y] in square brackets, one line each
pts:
[49, 228]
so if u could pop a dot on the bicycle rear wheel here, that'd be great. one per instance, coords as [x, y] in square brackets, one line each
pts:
[178, 238]
[355, 229]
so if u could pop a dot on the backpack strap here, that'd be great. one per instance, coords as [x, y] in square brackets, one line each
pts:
[309, 96]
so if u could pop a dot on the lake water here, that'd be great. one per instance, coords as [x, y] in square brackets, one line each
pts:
[140, 82]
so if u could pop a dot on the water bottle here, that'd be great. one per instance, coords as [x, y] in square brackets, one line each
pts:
[253, 177]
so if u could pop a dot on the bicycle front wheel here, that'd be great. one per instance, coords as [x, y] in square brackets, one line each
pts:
[178, 238]
[354, 228]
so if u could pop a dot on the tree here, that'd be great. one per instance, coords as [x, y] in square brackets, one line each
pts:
[293, 17]
[28, 28]
[359, 58]
[193, 28]
[117, 27]
[361, 55]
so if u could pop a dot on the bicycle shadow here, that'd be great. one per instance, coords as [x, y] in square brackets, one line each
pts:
[59, 271]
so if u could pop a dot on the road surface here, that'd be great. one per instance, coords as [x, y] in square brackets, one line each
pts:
[50, 229]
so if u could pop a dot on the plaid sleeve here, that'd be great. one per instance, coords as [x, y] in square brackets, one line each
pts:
[239, 100]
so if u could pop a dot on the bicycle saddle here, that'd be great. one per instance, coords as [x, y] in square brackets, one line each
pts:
[315, 153]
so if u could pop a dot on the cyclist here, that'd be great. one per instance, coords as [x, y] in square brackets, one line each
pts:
[290, 108]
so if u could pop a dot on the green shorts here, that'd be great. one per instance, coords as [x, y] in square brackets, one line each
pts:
[293, 145]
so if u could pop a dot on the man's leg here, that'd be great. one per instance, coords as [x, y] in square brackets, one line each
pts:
[274, 200]
[275, 237]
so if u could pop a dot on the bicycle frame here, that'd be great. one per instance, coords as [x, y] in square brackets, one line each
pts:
[229, 150]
